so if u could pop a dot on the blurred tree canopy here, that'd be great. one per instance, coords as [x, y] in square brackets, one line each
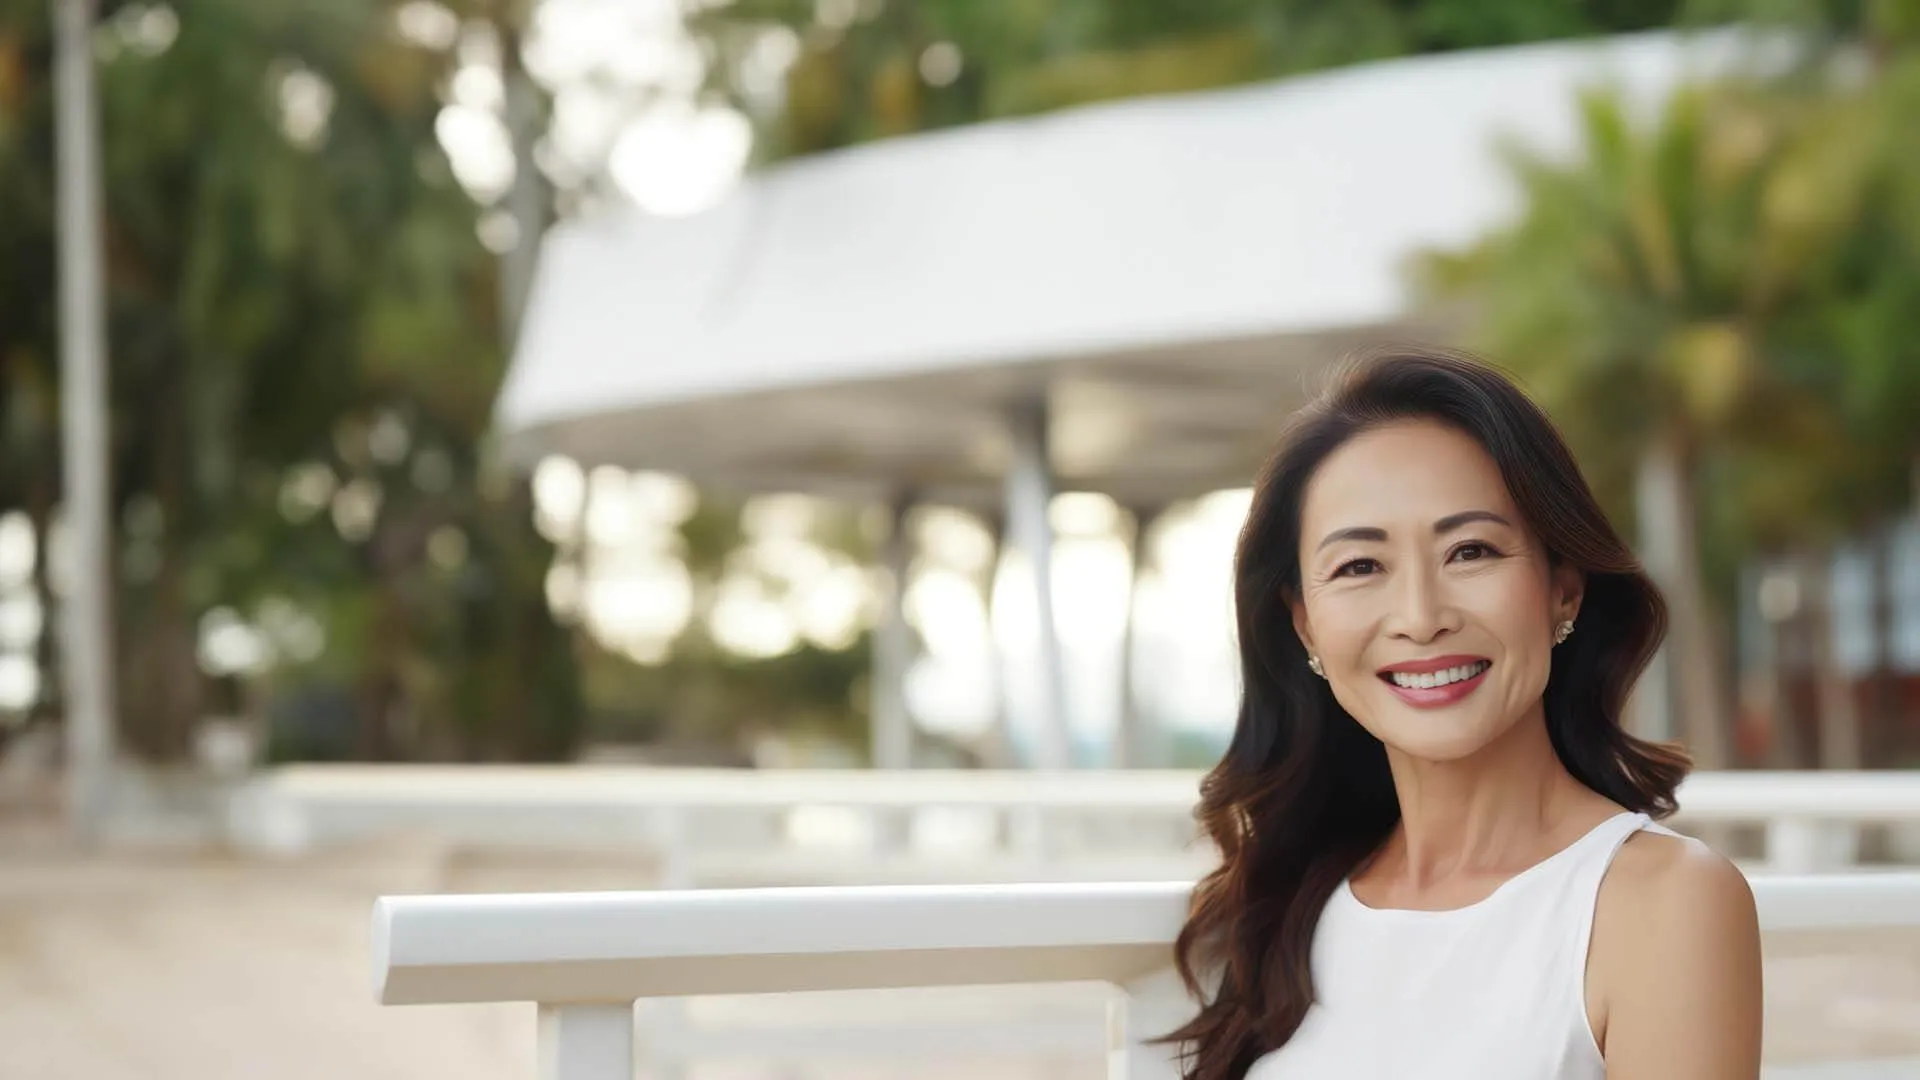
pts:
[305, 326]
[303, 361]
[867, 69]
[1719, 304]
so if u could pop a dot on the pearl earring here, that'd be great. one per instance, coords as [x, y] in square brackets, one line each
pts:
[1563, 632]
[1313, 665]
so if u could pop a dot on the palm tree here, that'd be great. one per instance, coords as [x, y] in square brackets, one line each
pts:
[1643, 293]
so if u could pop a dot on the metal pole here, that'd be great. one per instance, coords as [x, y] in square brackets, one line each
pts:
[1029, 494]
[87, 618]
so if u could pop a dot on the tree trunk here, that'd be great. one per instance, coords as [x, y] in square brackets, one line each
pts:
[1839, 715]
[545, 721]
[543, 713]
[1670, 547]
[378, 695]
[1787, 635]
[1783, 729]
[528, 201]
[1886, 676]
[46, 648]
[186, 685]
[174, 635]
[1764, 689]
[381, 693]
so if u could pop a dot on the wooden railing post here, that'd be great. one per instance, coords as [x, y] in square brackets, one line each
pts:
[585, 1042]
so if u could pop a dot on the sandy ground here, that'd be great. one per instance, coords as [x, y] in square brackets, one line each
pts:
[188, 965]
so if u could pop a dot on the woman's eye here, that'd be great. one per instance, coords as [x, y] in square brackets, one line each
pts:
[1473, 551]
[1357, 568]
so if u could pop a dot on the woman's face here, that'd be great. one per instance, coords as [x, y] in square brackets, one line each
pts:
[1425, 595]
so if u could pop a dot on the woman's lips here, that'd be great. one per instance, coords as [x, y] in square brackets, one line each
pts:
[1434, 697]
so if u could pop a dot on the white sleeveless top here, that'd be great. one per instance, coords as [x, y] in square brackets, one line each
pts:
[1492, 991]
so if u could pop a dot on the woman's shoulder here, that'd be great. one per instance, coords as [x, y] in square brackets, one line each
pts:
[1668, 896]
[1664, 875]
[1675, 948]
[1657, 863]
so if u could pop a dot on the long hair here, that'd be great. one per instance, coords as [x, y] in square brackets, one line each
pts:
[1303, 793]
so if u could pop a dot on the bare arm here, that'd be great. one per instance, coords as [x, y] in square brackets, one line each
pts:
[1681, 966]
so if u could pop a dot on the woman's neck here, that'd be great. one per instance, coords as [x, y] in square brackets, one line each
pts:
[1500, 809]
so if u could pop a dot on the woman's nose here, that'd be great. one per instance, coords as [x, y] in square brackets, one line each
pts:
[1421, 611]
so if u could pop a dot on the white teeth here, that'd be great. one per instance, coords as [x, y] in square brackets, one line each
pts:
[1429, 680]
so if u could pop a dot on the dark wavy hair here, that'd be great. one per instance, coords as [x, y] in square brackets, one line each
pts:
[1303, 794]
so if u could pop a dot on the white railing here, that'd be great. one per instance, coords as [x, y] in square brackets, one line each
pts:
[857, 826]
[584, 959]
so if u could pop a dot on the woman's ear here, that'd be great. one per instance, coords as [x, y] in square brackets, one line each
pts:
[1300, 627]
[1569, 589]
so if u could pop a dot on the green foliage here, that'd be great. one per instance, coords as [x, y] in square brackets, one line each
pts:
[862, 81]
[286, 295]
[1728, 274]
[1730, 289]
[707, 698]
[296, 289]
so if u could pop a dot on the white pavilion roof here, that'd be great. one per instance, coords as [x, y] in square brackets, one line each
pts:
[1167, 268]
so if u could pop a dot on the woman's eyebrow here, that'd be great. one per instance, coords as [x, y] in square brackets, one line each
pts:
[1445, 525]
[1358, 532]
[1466, 517]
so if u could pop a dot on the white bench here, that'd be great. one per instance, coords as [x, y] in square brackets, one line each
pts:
[585, 958]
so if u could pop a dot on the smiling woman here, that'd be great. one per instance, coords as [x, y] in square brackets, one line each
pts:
[1393, 609]
[1439, 848]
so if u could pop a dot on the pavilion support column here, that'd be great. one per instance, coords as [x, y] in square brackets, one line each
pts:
[997, 749]
[892, 728]
[1134, 746]
[1029, 493]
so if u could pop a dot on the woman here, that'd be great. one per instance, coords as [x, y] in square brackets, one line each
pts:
[1439, 851]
